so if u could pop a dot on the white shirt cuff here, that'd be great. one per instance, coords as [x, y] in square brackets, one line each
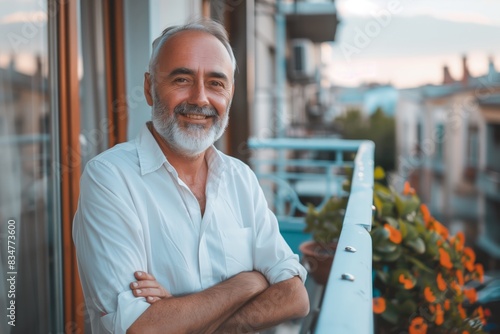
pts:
[128, 310]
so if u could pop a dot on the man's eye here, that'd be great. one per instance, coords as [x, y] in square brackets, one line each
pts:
[216, 83]
[180, 80]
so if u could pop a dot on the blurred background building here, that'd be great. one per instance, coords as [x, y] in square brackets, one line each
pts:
[446, 146]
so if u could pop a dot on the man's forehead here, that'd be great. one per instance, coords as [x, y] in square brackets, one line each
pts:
[192, 47]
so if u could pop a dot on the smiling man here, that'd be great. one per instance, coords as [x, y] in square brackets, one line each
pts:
[173, 236]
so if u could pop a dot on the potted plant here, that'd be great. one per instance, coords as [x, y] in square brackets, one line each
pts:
[421, 273]
[324, 225]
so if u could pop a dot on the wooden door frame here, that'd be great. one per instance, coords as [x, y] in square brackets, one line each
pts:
[69, 155]
[68, 104]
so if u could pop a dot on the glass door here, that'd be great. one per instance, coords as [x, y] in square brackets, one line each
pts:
[30, 284]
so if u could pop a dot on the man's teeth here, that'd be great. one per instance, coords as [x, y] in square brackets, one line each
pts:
[195, 116]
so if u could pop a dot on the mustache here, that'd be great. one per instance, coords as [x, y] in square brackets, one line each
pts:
[185, 108]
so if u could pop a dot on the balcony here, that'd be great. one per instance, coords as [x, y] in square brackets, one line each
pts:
[292, 171]
[303, 19]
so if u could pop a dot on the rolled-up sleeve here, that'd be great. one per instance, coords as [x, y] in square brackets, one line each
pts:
[110, 246]
[273, 257]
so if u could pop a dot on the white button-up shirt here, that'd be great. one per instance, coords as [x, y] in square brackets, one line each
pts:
[135, 213]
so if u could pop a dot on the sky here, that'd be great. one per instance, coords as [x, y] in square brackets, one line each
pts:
[406, 43]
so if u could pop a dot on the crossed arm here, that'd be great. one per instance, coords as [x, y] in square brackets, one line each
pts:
[244, 303]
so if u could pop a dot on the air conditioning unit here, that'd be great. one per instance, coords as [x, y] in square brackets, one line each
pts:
[302, 64]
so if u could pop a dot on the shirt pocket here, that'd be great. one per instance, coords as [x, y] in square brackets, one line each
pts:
[237, 243]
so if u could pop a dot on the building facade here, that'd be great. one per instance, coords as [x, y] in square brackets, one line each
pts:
[444, 147]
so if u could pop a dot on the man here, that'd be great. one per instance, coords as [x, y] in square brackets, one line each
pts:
[170, 206]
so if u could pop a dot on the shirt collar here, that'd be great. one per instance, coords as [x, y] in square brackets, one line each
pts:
[150, 154]
[151, 157]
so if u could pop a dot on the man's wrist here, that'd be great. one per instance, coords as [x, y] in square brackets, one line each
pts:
[254, 281]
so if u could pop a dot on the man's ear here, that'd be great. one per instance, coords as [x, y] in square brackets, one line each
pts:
[148, 88]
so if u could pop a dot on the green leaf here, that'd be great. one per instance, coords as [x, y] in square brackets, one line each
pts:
[376, 257]
[417, 245]
[379, 235]
[382, 191]
[393, 256]
[391, 221]
[403, 228]
[420, 265]
[406, 206]
[383, 276]
[386, 247]
[412, 232]
[387, 209]
[432, 250]
[378, 204]
[390, 314]
[379, 173]
[408, 307]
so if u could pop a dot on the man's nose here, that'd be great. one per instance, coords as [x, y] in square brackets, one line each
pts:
[198, 95]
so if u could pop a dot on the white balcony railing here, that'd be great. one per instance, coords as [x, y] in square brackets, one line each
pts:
[292, 170]
[347, 302]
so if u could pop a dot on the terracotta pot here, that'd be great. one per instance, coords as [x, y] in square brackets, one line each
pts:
[318, 259]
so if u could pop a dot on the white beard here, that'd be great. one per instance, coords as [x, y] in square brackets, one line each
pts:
[188, 139]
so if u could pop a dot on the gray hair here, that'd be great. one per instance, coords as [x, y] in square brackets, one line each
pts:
[211, 27]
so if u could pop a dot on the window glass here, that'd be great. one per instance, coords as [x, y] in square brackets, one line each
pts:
[28, 241]
[473, 147]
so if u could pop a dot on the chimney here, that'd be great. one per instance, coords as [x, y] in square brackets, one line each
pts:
[465, 69]
[12, 63]
[491, 67]
[38, 60]
[447, 78]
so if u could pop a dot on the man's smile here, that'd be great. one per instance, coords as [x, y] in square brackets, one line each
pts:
[195, 116]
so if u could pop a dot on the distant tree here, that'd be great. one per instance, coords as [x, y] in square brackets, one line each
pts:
[379, 128]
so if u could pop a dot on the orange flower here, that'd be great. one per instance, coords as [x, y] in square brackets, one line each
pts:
[429, 295]
[456, 287]
[441, 283]
[444, 231]
[378, 305]
[439, 315]
[480, 313]
[461, 311]
[471, 294]
[446, 304]
[469, 258]
[459, 241]
[407, 282]
[460, 277]
[480, 271]
[407, 189]
[437, 227]
[465, 332]
[394, 234]
[444, 259]
[425, 214]
[418, 326]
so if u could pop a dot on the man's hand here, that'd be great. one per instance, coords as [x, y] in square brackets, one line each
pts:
[280, 302]
[148, 287]
[203, 311]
